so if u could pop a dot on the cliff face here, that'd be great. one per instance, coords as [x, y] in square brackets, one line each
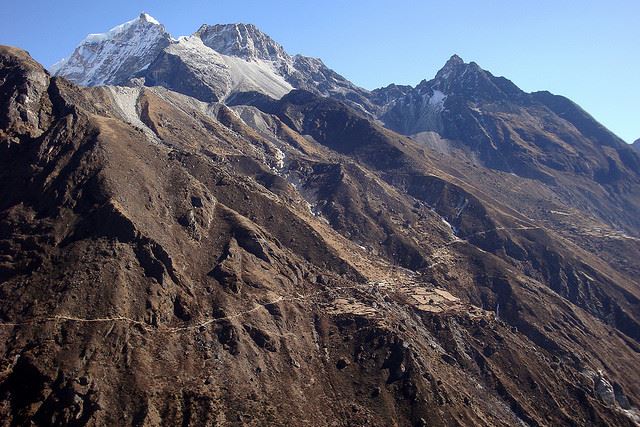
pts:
[164, 261]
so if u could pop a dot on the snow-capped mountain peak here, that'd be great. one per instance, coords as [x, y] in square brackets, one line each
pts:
[141, 21]
[242, 40]
[213, 64]
[114, 56]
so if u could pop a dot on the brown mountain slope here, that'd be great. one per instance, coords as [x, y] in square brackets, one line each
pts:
[167, 261]
[490, 223]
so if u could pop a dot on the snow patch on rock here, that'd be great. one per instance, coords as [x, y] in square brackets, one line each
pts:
[126, 101]
[436, 101]
[256, 75]
[228, 75]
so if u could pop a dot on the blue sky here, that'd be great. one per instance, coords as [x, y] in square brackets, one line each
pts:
[586, 50]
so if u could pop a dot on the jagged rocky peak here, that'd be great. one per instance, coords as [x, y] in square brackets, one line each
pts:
[468, 79]
[413, 110]
[453, 62]
[113, 57]
[242, 40]
[455, 67]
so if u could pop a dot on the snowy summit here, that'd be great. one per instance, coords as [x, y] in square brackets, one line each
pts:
[113, 57]
[213, 64]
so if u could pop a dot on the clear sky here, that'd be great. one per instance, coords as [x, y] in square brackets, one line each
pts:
[586, 50]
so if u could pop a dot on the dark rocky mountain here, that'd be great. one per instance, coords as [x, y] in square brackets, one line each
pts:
[636, 144]
[282, 258]
[540, 136]
[508, 129]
